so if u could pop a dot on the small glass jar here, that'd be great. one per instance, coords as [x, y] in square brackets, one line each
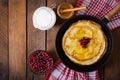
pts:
[63, 6]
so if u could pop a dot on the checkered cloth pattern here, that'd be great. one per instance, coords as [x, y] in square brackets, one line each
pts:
[97, 8]
[61, 72]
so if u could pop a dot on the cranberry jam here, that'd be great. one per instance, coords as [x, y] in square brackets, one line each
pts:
[84, 42]
[40, 62]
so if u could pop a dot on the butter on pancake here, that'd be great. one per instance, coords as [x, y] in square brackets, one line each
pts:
[84, 42]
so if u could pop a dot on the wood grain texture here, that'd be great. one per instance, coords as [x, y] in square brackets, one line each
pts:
[51, 34]
[112, 68]
[73, 2]
[17, 40]
[35, 38]
[4, 40]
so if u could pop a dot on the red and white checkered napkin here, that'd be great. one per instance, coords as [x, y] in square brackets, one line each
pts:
[61, 72]
[100, 8]
[96, 8]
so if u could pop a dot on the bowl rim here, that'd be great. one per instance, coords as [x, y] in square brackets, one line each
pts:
[50, 67]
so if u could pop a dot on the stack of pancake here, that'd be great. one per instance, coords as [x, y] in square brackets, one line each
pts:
[93, 50]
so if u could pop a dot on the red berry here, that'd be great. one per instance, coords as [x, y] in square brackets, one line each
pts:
[84, 42]
[40, 62]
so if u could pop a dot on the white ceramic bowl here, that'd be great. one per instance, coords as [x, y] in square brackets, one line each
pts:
[44, 18]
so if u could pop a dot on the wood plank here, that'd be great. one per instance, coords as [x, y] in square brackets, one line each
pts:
[36, 38]
[73, 2]
[112, 68]
[17, 40]
[51, 34]
[4, 40]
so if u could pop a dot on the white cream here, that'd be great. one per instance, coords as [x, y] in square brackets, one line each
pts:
[44, 18]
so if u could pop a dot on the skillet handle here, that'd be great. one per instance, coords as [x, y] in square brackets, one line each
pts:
[109, 15]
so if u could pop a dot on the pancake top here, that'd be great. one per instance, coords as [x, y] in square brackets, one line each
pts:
[84, 42]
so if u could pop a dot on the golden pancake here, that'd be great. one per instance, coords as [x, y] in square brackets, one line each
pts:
[84, 42]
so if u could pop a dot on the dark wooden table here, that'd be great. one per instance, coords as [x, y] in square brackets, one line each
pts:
[18, 38]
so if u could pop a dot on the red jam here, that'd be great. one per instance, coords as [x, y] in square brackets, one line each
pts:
[40, 62]
[84, 42]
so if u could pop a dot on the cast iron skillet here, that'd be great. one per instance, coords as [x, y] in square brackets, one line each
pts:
[66, 60]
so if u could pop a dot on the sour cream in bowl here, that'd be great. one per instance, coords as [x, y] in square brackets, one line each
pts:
[44, 18]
